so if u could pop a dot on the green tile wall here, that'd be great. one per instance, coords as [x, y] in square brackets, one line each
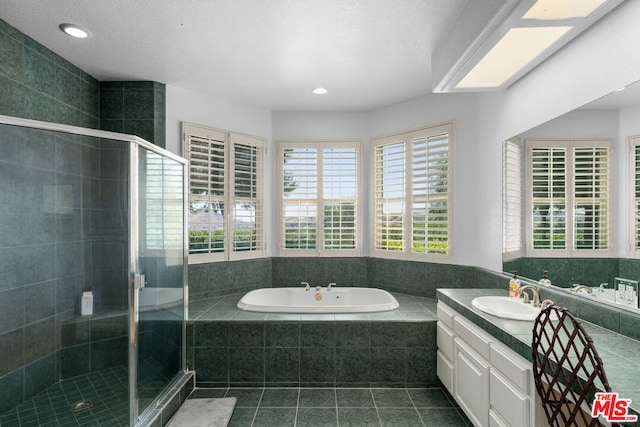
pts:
[313, 354]
[36, 83]
[136, 108]
[565, 272]
[415, 278]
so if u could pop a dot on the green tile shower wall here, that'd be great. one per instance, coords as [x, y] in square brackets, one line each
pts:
[136, 108]
[313, 354]
[35, 83]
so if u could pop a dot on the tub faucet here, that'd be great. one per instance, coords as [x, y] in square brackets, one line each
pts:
[576, 288]
[330, 285]
[534, 292]
[306, 286]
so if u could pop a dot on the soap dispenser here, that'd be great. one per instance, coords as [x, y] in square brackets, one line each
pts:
[545, 280]
[514, 285]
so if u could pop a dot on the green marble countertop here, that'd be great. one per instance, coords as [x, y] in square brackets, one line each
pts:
[620, 354]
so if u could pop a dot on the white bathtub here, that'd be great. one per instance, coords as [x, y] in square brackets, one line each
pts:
[299, 300]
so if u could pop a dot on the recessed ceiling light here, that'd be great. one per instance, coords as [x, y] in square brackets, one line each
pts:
[319, 91]
[75, 31]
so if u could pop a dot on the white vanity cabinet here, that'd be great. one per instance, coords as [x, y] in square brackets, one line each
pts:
[491, 383]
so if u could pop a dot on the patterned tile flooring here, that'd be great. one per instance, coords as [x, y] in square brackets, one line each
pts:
[319, 407]
[107, 391]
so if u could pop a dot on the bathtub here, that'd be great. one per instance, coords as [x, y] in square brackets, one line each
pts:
[300, 300]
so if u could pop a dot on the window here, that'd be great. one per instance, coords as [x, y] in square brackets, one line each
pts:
[512, 199]
[634, 143]
[225, 194]
[319, 192]
[161, 192]
[568, 198]
[412, 194]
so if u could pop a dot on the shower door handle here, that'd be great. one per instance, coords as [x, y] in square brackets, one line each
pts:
[139, 281]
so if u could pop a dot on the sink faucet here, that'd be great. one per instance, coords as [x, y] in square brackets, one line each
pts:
[330, 285]
[306, 286]
[576, 288]
[534, 292]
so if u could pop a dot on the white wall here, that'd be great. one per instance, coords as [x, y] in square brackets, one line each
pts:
[602, 59]
[599, 61]
[184, 105]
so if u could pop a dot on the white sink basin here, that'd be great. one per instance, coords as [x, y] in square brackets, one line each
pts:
[506, 307]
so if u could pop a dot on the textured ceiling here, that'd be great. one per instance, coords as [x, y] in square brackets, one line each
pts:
[264, 53]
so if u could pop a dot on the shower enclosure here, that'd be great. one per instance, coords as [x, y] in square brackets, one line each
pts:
[100, 214]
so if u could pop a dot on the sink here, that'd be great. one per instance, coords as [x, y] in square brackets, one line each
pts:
[506, 307]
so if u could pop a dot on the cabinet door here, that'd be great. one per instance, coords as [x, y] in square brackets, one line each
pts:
[471, 383]
[509, 401]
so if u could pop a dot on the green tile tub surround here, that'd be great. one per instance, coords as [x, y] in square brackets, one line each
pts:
[309, 352]
[415, 278]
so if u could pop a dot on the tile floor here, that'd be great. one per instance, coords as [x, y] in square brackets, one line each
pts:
[319, 407]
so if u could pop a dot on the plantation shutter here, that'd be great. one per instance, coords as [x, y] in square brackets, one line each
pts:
[163, 185]
[339, 189]
[430, 194]
[299, 181]
[206, 154]
[590, 199]
[247, 229]
[226, 202]
[412, 194]
[569, 196]
[512, 198]
[635, 188]
[549, 198]
[390, 196]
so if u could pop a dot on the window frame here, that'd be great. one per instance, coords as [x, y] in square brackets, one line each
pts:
[229, 140]
[569, 145]
[319, 250]
[407, 138]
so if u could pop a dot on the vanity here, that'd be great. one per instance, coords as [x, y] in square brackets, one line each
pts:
[484, 361]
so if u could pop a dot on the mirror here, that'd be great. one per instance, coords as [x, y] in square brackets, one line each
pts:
[613, 278]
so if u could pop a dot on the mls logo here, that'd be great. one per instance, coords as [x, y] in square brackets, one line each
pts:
[612, 408]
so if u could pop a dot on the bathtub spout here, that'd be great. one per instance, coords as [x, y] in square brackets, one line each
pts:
[306, 286]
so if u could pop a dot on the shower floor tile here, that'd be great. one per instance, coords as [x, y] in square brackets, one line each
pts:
[106, 391]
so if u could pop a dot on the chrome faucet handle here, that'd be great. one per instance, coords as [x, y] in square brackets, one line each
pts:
[330, 285]
[546, 303]
[306, 285]
[534, 292]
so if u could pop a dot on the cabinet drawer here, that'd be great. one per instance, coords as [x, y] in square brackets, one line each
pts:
[445, 371]
[445, 340]
[512, 366]
[446, 314]
[472, 335]
[505, 399]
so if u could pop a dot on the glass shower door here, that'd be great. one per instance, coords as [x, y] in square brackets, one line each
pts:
[161, 272]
